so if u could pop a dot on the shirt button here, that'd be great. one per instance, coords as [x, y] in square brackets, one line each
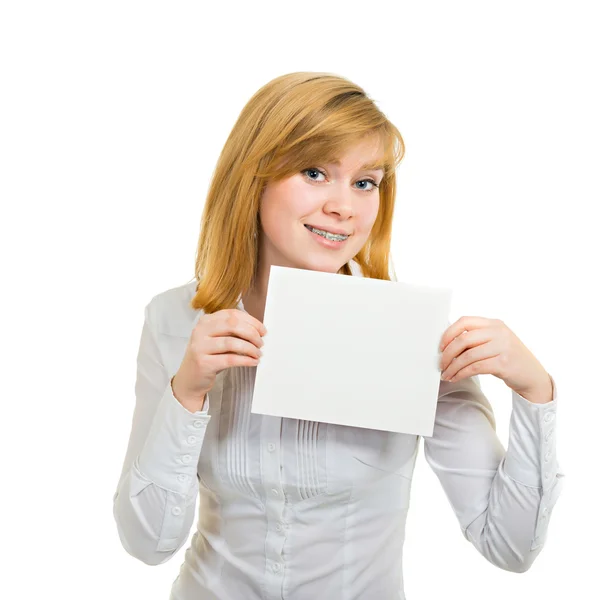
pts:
[547, 436]
[271, 447]
[181, 477]
[191, 439]
[199, 424]
[186, 458]
[548, 417]
[275, 493]
[547, 457]
[276, 567]
[280, 527]
[176, 510]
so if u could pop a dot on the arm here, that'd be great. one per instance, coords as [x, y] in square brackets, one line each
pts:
[502, 499]
[155, 499]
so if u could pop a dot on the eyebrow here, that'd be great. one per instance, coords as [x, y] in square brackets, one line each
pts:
[365, 167]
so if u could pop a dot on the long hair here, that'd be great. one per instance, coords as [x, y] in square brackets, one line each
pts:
[293, 122]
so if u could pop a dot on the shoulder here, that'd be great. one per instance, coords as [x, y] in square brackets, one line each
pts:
[170, 311]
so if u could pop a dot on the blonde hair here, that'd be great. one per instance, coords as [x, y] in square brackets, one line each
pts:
[293, 122]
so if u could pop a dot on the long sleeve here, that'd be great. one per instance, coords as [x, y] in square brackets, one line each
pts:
[502, 499]
[155, 500]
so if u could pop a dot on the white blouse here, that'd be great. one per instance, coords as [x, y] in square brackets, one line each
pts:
[297, 510]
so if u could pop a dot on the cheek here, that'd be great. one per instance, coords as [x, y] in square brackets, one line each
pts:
[286, 202]
[278, 210]
[299, 199]
[369, 216]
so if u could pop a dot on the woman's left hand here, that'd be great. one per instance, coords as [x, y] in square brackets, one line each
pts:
[476, 345]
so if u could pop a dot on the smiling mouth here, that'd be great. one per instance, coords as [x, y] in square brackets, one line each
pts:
[335, 237]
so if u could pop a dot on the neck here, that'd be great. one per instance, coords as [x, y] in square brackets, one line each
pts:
[256, 298]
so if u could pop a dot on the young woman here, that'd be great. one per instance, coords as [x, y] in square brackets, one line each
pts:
[293, 509]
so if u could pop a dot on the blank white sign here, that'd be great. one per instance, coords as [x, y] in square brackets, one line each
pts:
[351, 350]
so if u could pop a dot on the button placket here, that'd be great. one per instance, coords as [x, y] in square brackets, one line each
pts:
[274, 504]
[191, 440]
[548, 469]
[548, 432]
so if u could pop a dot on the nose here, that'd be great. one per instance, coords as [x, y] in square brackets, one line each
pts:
[339, 203]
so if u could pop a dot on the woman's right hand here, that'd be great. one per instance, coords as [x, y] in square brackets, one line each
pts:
[223, 339]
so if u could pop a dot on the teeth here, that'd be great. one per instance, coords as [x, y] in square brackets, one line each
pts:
[330, 236]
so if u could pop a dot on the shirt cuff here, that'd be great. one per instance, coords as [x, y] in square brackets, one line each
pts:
[531, 453]
[169, 457]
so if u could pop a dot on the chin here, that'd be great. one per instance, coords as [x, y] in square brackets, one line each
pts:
[320, 263]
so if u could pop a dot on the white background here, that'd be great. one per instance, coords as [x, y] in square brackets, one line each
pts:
[113, 116]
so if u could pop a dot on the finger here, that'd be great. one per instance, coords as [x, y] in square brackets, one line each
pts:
[220, 362]
[262, 330]
[252, 321]
[230, 344]
[236, 323]
[471, 356]
[465, 340]
[463, 324]
[476, 368]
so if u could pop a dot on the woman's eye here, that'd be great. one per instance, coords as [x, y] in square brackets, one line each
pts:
[318, 171]
[368, 181]
[313, 171]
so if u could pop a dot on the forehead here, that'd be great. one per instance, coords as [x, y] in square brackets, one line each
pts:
[373, 165]
[366, 155]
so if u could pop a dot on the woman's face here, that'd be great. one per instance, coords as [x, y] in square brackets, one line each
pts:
[336, 198]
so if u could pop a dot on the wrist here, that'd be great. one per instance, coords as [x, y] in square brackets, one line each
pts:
[542, 394]
[193, 404]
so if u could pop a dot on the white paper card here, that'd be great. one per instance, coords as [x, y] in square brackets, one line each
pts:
[351, 350]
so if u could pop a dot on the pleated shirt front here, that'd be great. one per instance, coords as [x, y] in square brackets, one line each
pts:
[297, 510]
